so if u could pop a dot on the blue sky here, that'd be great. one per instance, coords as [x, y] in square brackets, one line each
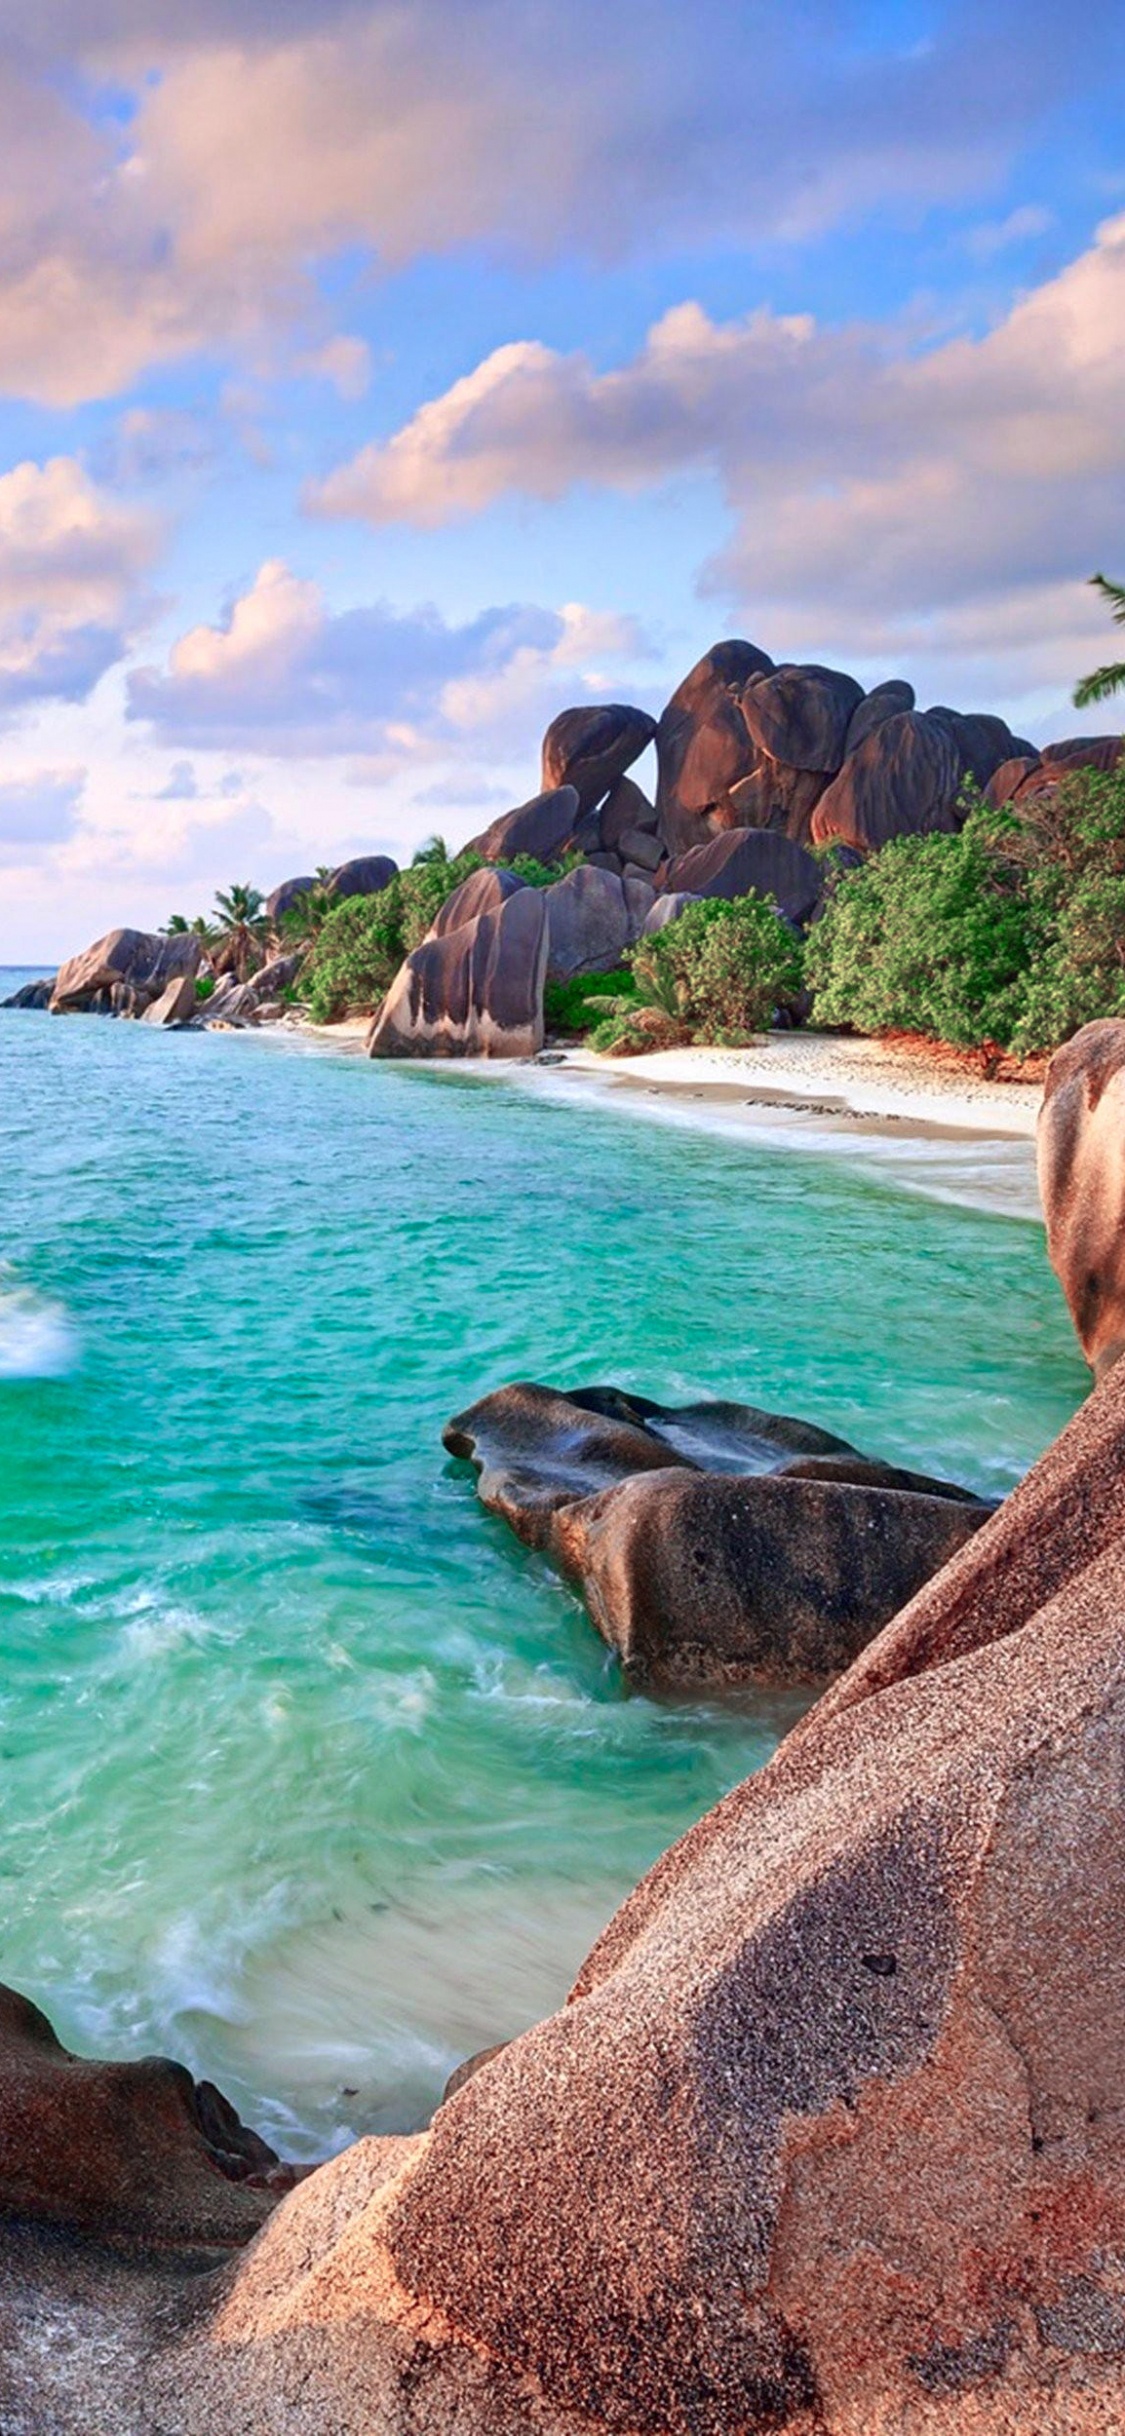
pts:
[377, 381]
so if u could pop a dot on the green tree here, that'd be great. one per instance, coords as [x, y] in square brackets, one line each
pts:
[240, 927]
[1102, 682]
[718, 974]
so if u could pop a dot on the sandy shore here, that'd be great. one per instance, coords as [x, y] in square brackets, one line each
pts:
[911, 1120]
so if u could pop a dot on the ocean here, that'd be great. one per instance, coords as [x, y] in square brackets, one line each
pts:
[310, 1775]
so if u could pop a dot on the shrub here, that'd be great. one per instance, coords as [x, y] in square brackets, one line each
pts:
[1011, 934]
[361, 943]
[577, 1005]
[721, 970]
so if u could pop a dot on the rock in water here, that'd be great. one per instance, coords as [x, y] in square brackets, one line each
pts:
[715, 1544]
[592, 747]
[34, 994]
[175, 1005]
[138, 964]
[475, 991]
[1082, 1184]
[134, 2154]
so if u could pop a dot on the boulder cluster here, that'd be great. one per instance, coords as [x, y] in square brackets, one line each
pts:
[756, 763]
[827, 2138]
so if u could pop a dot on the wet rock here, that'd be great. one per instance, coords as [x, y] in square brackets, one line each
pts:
[476, 991]
[544, 828]
[138, 964]
[703, 745]
[799, 716]
[592, 917]
[283, 899]
[1082, 1184]
[591, 748]
[365, 876]
[741, 859]
[700, 1583]
[33, 994]
[175, 1006]
[714, 1544]
[129, 2154]
[902, 781]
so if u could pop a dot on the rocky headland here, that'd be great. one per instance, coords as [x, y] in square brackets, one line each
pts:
[757, 764]
[827, 2138]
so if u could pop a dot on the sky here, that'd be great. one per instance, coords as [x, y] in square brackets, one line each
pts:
[378, 381]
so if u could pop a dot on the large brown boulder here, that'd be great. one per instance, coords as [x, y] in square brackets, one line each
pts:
[740, 859]
[826, 2141]
[139, 962]
[714, 1544]
[626, 809]
[703, 745]
[476, 991]
[1082, 1184]
[281, 900]
[365, 876]
[800, 716]
[884, 701]
[592, 747]
[483, 892]
[176, 1004]
[902, 780]
[544, 827]
[592, 917]
[131, 2154]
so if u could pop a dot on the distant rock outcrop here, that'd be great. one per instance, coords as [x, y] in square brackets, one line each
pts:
[716, 1544]
[139, 963]
[365, 876]
[473, 991]
[31, 994]
[283, 899]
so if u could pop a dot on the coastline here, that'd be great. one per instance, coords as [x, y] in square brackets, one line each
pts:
[915, 1121]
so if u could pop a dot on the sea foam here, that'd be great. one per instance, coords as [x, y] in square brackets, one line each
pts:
[37, 1340]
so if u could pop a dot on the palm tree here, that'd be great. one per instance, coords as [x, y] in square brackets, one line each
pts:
[241, 925]
[1108, 680]
[433, 850]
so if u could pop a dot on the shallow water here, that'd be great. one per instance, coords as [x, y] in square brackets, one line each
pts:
[310, 1774]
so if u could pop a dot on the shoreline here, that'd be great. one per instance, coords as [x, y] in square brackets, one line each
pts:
[907, 1119]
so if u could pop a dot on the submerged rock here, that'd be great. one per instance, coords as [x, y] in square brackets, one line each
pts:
[714, 1544]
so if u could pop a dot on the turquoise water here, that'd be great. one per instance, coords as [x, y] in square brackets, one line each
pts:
[309, 1773]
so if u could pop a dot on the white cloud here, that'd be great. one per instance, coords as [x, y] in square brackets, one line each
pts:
[872, 485]
[71, 565]
[994, 237]
[285, 675]
[38, 811]
[263, 139]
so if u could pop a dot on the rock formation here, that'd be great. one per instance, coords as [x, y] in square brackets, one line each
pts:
[544, 828]
[365, 876]
[282, 900]
[715, 1544]
[740, 859]
[903, 778]
[1082, 1184]
[138, 963]
[703, 745]
[592, 917]
[472, 991]
[590, 749]
[31, 994]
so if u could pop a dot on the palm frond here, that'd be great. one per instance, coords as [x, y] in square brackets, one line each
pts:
[1100, 685]
[1114, 594]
